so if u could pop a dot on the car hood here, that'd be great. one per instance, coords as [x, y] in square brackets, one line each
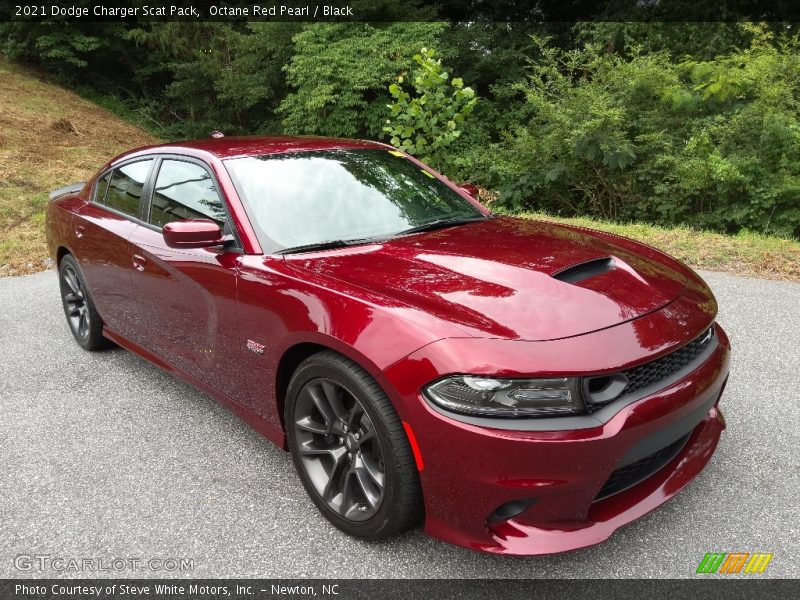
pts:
[510, 278]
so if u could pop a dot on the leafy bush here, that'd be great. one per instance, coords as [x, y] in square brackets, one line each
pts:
[427, 123]
[62, 47]
[714, 143]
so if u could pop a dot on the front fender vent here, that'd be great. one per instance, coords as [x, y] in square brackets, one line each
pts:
[585, 270]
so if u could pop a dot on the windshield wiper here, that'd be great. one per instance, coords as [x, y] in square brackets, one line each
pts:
[332, 244]
[328, 245]
[442, 223]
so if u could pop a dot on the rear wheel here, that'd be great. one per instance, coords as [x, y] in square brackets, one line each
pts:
[82, 318]
[350, 448]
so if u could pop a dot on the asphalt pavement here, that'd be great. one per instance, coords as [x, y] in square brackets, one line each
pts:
[104, 456]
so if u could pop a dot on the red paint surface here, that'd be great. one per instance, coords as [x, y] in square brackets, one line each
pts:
[192, 233]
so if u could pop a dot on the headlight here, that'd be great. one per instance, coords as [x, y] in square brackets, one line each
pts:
[490, 397]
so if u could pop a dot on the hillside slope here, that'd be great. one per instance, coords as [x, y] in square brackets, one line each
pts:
[49, 137]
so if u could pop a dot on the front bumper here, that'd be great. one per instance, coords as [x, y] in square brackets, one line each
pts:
[470, 471]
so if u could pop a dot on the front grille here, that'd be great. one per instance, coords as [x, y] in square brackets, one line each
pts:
[636, 472]
[662, 368]
[601, 390]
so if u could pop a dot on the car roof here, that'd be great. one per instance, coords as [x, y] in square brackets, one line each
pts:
[237, 146]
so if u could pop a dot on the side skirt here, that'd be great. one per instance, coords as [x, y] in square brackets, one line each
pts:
[273, 433]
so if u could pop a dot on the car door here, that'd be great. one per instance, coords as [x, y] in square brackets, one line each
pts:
[186, 296]
[102, 229]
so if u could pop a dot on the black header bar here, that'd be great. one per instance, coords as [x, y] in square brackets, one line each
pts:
[402, 10]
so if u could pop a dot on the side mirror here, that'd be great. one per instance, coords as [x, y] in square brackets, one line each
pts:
[192, 233]
[470, 189]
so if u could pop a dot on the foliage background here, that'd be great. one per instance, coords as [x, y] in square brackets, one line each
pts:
[668, 123]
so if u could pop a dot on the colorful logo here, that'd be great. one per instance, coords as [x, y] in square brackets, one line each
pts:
[734, 562]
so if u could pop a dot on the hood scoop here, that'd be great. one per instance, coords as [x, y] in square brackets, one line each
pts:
[585, 270]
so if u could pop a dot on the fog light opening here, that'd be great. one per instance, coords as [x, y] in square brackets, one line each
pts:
[509, 510]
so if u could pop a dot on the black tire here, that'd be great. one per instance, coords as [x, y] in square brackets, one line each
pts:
[383, 453]
[82, 318]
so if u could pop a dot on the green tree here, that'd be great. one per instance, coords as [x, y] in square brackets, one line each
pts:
[253, 83]
[339, 72]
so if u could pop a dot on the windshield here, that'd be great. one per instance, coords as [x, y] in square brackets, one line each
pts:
[307, 198]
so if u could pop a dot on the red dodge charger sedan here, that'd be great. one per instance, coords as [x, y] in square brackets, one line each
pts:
[523, 387]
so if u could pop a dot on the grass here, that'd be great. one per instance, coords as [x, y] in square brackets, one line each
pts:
[747, 253]
[50, 137]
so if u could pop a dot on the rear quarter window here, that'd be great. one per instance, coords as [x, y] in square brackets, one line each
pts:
[125, 188]
[100, 188]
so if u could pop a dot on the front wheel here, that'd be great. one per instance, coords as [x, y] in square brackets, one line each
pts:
[350, 448]
[82, 318]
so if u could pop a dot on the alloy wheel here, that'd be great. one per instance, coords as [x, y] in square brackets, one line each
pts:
[75, 304]
[339, 449]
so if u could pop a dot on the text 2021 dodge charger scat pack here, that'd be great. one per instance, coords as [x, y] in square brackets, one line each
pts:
[523, 387]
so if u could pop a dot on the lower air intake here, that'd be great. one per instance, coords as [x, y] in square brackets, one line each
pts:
[636, 472]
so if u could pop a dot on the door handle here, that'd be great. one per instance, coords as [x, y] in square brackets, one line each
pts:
[80, 230]
[139, 262]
